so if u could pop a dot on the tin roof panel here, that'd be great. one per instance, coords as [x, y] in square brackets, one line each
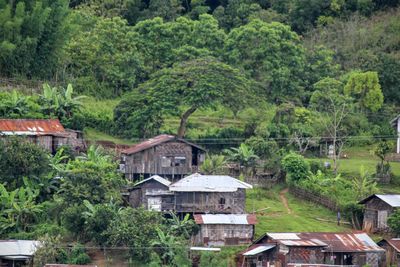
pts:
[18, 248]
[208, 183]
[30, 126]
[246, 219]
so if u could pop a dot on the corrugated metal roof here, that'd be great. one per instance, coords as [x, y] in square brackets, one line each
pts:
[30, 127]
[156, 178]
[335, 242]
[258, 249]
[208, 183]
[392, 200]
[18, 248]
[303, 243]
[225, 219]
[395, 243]
[157, 140]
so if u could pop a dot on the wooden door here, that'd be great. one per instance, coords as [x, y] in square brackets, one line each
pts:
[382, 219]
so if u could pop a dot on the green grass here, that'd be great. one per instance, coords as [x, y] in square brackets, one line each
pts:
[272, 216]
[100, 106]
[94, 135]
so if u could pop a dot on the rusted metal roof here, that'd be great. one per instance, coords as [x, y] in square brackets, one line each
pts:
[155, 141]
[335, 242]
[208, 183]
[31, 127]
[246, 219]
[394, 242]
[392, 200]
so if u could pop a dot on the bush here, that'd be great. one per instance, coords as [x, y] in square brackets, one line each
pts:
[296, 167]
[394, 222]
[78, 255]
[73, 220]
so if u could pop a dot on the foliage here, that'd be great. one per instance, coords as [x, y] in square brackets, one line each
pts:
[244, 156]
[363, 185]
[296, 167]
[394, 222]
[50, 250]
[213, 164]
[20, 158]
[366, 88]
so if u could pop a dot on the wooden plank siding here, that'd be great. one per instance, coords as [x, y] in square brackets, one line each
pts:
[224, 234]
[151, 161]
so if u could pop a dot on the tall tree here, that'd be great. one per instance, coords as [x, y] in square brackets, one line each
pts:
[271, 54]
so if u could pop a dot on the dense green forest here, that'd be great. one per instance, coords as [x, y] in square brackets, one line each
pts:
[263, 84]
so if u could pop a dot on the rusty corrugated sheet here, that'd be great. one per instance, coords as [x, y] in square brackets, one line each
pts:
[31, 127]
[395, 243]
[335, 242]
[198, 219]
[157, 140]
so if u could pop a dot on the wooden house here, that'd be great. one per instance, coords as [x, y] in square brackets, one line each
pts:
[377, 209]
[153, 194]
[392, 247]
[165, 155]
[198, 193]
[224, 229]
[195, 193]
[48, 134]
[313, 249]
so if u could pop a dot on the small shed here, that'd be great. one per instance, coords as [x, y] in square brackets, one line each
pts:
[318, 249]
[165, 155]
[17, 252]
[198, 193]
[152, 193]
[46, 133]
[392, 247]
[224, 229]
[377, 209]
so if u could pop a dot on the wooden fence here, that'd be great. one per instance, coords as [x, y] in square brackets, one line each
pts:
[313, 197]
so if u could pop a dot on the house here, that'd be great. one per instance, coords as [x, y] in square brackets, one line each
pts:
[165, 155]
[396, 124]
[198, 193]
[224, 229]
[48, 134]
[312, 249]
[392, 247]
[195, 193]
[377, 209]
[17, 252]
[153, 194]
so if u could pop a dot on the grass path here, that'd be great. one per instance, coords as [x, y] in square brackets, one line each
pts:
[284, 199]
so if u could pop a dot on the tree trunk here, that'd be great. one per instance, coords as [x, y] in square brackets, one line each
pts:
[185, 116]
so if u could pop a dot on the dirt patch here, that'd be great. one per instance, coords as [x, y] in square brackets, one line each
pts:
[282, 196]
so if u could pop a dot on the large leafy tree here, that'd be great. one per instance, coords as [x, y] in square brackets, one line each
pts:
[186, 87]
[365, 87]
[271, 54]
[32, 34]
[105, 61]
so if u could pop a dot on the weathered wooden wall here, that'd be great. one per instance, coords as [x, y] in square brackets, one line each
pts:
[139, 195]
[149, 161]
[371, 209]
[210, 202]
[224, 234]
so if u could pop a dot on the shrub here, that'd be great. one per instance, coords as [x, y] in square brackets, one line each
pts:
[296, 167]
[394, 222]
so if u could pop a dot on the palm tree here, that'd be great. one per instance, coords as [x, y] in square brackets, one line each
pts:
[16, 104]
[213, 164]
[243, 155]
[95, 154]
[167, 246]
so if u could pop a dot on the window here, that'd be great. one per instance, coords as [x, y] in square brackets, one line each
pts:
[221, 203]
[180, 161]
[166, 161]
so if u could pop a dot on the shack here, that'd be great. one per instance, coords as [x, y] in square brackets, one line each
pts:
[48, 134]
[153, 194]
[17, 252]
[392, 247]
[224, 229]
[377, 209]
[165, 155]
[330, 249]
[198, 193]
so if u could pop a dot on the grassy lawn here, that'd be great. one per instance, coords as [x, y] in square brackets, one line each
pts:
[94, 135]
[273, 216]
